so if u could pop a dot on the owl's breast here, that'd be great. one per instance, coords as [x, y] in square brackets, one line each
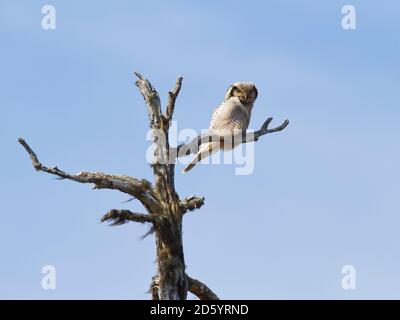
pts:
[231, 115]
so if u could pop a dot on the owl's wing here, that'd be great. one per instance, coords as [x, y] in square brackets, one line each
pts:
[218, 114]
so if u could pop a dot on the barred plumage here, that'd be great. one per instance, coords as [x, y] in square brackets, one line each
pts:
[231, 116]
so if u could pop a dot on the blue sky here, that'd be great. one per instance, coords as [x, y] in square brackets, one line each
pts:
[324, 193]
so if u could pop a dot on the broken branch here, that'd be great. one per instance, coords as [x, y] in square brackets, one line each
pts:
[192, 203]
[172, 98]
[154, 288]
[140, 189]
[119, 217]
[152, 100]
[200, 290]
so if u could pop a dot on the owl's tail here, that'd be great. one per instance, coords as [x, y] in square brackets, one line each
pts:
[205, 151]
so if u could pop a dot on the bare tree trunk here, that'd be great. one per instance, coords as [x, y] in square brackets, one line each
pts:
[165, 210]
[172, 281]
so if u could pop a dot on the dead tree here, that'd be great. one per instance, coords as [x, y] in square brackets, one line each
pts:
[164, 208]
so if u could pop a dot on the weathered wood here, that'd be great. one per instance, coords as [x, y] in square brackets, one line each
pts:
[168, 230]
[118, 217]
[192, 147]
[165, 210]
[200, 290]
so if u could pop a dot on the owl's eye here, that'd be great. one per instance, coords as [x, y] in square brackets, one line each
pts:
[235, 92]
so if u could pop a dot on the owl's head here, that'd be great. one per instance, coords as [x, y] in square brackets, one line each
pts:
[245, 91]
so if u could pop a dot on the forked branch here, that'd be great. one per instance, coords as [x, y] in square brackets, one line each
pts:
[186, 149]
[165, 209]
[264, 130]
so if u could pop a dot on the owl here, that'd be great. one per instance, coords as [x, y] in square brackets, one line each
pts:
[232, 114]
